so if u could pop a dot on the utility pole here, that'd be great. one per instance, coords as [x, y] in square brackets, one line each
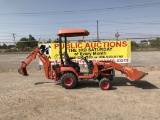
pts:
[97, 32]
[39, 40]
[14, 39]
[117, 35]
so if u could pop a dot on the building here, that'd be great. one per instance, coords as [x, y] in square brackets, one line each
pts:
[145, 43]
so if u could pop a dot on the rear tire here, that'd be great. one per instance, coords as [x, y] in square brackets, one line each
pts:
[105, 84]
[68, 80]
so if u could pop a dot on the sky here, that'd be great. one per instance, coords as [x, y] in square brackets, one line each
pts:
[44, 18]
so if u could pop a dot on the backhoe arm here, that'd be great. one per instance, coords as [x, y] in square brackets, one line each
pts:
[31, 56]
[46, 63]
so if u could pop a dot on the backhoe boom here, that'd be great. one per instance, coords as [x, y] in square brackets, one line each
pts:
[46, 63]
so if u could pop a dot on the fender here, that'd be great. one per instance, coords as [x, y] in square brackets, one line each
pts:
[68, 69]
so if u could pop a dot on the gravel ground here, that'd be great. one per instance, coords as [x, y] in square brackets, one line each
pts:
[36, 98]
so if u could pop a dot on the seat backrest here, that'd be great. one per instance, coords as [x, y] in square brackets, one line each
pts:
[69, 62]
[67, 59]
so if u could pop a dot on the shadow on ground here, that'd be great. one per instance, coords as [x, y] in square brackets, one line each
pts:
[39, 83]
[118, 81]
[122, 81]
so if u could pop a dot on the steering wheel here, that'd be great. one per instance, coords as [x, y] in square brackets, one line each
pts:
[84, 58]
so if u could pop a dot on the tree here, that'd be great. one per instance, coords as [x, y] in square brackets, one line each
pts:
[49, 41]
[144, 41]
[22, 44]
[134, 45]
[26, 43]
[56, 41]
[4, 46]
[32, 42]
[11, 46]
[81, 41]
[155, 43]
[158, 42]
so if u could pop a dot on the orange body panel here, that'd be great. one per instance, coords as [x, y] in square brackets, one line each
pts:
[68, 69]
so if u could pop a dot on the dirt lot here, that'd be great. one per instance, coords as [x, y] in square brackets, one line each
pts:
[36, 98]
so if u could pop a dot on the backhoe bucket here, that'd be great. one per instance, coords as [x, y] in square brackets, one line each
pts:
[23, 71]
[134, 74]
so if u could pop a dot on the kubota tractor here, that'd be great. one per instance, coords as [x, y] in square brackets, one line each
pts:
[69, 72]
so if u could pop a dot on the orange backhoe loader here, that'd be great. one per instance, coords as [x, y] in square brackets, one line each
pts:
[68, 72]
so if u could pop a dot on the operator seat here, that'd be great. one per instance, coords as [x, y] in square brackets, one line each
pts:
[90, 66]
[70, 63]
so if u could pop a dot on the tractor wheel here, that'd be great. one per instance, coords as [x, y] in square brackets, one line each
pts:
[105, 84]
[68, 80]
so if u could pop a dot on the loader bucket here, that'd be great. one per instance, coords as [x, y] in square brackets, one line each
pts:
[134, 74]
[23, 71]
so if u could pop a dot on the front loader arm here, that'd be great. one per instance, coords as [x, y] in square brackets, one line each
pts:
[129, 72]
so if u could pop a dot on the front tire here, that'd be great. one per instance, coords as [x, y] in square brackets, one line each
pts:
[105, 84]
[68, 80]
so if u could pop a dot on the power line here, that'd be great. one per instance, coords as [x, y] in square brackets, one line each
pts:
[109, 22]
[5, 32]
[82, 21]
[115, 23]
[86, 10]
